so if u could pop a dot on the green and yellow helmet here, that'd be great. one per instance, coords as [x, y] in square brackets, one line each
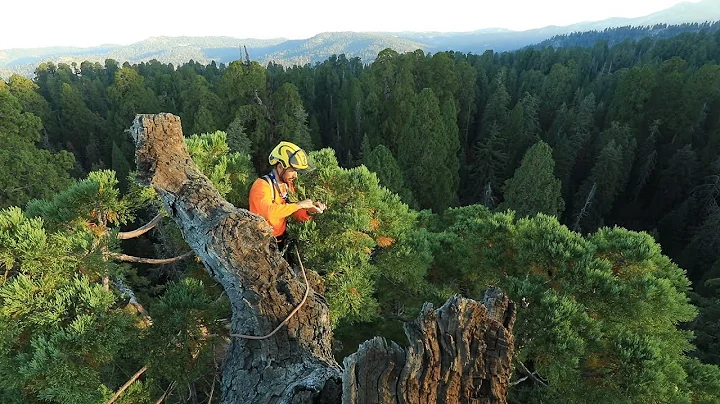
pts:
[289, 155]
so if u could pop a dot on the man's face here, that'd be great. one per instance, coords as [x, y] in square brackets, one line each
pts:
[288, 175]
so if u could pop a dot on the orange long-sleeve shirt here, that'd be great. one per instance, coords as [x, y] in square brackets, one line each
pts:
[277, 211]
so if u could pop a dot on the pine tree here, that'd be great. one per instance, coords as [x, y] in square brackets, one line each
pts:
[604, 183]
[231, 173]
[241, 84]
[363, 222]
[128, 96]
[497, 107]
[203, 121]
[74, 331]
[237, 140]
[27, 171]
[429, 156]
[489, 163]
[381, 161]
[597, 316]
[121, 166]
[534, 189]
[290, 117]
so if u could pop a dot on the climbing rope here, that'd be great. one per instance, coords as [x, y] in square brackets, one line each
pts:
[307, 291]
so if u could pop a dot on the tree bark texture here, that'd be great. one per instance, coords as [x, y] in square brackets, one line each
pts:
[459, 353]
[237, 248]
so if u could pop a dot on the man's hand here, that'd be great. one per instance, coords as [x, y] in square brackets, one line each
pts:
[306, 204]
[319, 207]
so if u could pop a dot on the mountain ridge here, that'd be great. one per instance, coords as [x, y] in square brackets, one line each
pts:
[365, 45]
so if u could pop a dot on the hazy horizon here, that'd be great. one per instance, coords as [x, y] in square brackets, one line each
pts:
[59, 25]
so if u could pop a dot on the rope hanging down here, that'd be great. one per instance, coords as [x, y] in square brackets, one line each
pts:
[292, 313]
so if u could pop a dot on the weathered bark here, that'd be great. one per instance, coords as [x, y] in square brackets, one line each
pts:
[460, 353]
[237, 248]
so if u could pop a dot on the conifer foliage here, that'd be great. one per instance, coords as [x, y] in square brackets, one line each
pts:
[443, 173]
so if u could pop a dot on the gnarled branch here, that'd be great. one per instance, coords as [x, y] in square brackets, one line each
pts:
[152, 261]
[124, 235]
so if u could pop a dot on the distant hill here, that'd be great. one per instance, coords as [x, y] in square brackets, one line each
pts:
[179, 50]
[616, 35]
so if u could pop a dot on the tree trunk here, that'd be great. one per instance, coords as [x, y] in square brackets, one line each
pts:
[459, 353]
[237, 248]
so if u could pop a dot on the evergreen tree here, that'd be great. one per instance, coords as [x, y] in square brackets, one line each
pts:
[632, 96]
[598, 316]
[76, 122]
[128, 96]
[26, 171]
[677, 179]
[489, 163]
[203, 121]
[32, 101]
[381, 161]
[237, 140]
[91, 332]
[534, 189]
[241, 84]
[61, 332]
[557, 89]
[424, 153]
[364, 221]
[232, 173]
[290, 117]
[74, 331]
[601, 188]
[497, 107]
[121, 166]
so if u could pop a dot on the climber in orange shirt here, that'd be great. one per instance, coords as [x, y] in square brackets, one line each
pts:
[270, 194]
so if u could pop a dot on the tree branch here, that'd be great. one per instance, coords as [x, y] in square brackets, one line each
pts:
[125, 290]
[153, 261]
[124, 235]
[518, 381]
[126, 385]
[584, 210]
[167, 393]
[533, 375]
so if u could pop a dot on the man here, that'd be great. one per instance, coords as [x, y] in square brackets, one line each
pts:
[270, 195]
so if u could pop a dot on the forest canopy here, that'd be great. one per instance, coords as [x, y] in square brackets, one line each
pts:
[584, 181]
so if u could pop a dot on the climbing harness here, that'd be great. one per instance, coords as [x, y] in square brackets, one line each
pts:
[272, 180]
[307, 292]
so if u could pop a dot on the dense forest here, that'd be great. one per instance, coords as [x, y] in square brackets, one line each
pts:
[627, 33]
[584, 181]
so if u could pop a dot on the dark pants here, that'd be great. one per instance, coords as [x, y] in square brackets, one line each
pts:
[285, 244]
[281, 241]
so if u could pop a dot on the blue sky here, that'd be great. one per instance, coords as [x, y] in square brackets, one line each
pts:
[39, 23]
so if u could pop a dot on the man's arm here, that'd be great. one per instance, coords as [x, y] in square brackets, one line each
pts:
[261, 201]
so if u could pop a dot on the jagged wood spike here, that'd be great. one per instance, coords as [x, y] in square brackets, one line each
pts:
[459, 353]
